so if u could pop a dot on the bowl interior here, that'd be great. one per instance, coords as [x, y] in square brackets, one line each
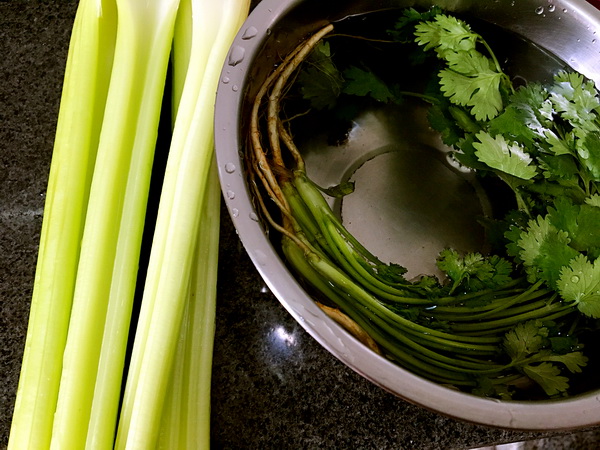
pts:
[537, 39]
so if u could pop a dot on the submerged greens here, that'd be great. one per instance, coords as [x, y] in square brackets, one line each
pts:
[510, 324]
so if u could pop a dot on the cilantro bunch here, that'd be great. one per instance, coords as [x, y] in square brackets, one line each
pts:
[507, 324]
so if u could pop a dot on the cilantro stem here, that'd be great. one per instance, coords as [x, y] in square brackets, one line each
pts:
[549, 310]
[492, 55]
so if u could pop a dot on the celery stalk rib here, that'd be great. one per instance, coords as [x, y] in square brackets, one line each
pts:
[178, 222]
[85, 87]
[94, 353]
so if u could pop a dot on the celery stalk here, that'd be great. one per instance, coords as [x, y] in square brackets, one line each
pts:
[182, 199]
[85, 87]
[105, 285]
[186, 417]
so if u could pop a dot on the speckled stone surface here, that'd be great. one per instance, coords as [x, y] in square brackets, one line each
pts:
[273, 385]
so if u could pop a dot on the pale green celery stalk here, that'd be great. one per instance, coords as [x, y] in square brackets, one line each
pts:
[181, 202]
[84, 92]
[104, 290]
[187, 387]
[187, 94]
[202, 320]
[186, 417]
[181, 54]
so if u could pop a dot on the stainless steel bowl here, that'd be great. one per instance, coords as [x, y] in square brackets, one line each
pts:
[564, 28]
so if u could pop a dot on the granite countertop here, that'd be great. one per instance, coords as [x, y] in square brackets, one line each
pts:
[268, 391]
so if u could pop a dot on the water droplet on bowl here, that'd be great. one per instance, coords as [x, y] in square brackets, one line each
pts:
[235, 212]
[551, 8]
[236, 55]
[539, 10]
[249, 33]
[230, 167]
[225, 80]
[230, 195]
[235, 88]
[253, 217]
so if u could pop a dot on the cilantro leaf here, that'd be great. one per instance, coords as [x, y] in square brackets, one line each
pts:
[446, 126]
[471, 80]
[364, 83]
[575, 98]
[507, 157]
[573, 361]
[579, 221]
[473, 271]
[545, 250]
[320, 81]
[548, 377]
[588, 149]
[524, 339]
[593, 200]
[404, 27]
[446, 35]
[580, 283]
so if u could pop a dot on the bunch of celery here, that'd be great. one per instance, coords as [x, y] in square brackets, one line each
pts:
[71, 382]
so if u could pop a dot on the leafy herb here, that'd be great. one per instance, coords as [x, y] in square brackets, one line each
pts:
[493, 324]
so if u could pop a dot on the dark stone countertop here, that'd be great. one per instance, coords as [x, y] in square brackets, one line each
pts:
[267, 392]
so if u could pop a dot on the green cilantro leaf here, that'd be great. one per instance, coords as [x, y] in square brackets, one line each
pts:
[548, 377]
[573, 361]
[575, 98]
[588, 148]
[472, 81]
[404, 27]
[562, 168]
[557, 145]
[507, 157]
[580, 283]
[545, 250]
[364, 83]
[446, 35]
[593, 200]
[320, 81]
[579, 221]
[446, 126]
[524, 339]
[473, 271]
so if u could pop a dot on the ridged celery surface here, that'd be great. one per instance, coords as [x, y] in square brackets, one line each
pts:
[173, 250]
[81, 316]
[85, 87]
[106, 276]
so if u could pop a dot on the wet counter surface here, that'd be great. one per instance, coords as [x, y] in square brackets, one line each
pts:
[274, 386]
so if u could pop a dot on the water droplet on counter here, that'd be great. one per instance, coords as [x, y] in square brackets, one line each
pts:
[235, 212]
[225, 80]
[229, 167]
[539, 10]
[236, 55]
[230, 195]
[249, 33]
